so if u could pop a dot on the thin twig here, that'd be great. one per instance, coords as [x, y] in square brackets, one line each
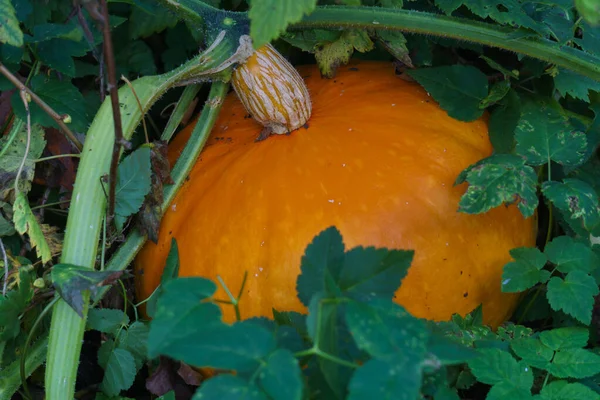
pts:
[5, 257]
[114, 99]
[47, 109]
[137, 99]
[28, 143]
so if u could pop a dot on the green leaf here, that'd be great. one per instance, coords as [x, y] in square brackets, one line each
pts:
[309, 39]
[386, 331]
[10, 33]
[569, 255]
[135, 59]
[58, 54]
[395, 43]
[458, 89]
[575, 363]
[71, 280]
[544, 134]
[496, 366]
[497, 93]
[565, 338]
[133, 184]
[14, 155]
[533, 352]
[447, 351]
[589, 38]
[13, 305]
[526, 271]
[134, 339]
[496, 180]
[331, 55]
[149, 19]
[370, 273]
[44, 32]
[563, 390]
[576, 198]
[119, 372]
[26, 223]
[384, 379]
[574, 295]
[62, 96]
[106, 320]
[503, 122]
[574, 84]
[269, 18]
[589, 9]
[170, 272]
[228, 387]
[281, 378]
[180, 307]
[322, 258]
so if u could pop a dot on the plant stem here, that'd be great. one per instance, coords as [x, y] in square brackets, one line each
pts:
[487, 34]
[54, 157]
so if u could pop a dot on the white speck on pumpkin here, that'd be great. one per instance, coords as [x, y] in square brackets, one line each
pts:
[174, 207]
[331, 201]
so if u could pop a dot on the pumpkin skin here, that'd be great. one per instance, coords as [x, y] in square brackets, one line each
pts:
[378, 160]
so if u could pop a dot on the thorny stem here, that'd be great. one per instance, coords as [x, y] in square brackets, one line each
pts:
[42, 104]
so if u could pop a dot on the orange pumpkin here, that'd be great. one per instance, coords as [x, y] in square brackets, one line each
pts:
[378, 160]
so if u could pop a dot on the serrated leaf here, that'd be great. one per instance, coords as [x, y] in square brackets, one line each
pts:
[564, 390]
[269, 18]
[503, 123]
[14, 155]
[62, 96]
[575, 363]
[495, 366]
[135, 339]
[384, 379]
[543, 135]
[48, 31]
[71, 280]
[10, 32]
[576, 198]
[106, 320]
[574, 295]
[565, 338]
[370, 273]
[589, 38]
[104, 352]
[526, 271]
[533, 352]
[447, 351]
[496, 180]
[119, 372]
[322, 258]
[133, 184]
[386, 331]
[281, 378]
[574, 84]
[13, 305]
[331, 55]
[458, 89]
[228, 387]
[26, 223]
[569, 255]
[58, 54]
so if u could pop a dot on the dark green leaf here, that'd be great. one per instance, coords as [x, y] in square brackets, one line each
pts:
[62, 96]
[543, 134]
[447, 351]
[458, 89]
[135, 339]
[10, 33]
[574, 295]
[119, 372]
[569, 255]
[386, 380]
[309, 39]
[578, 86]
[526, 271]
[322, 258]
[281, 378]
[228, 387]
[576, 198]
[575, 363]
[495, 366]
[533, 352]
[589, 40]
[71, 280]
[106, 320]
[565, 338]
[135, 58]
[13, 305]
[370, 273]
[58, 54]
[133, 184]
[499, 179]
[498, 91]
[149, 19]
[385, 330]
[269, 18]
[564, 390]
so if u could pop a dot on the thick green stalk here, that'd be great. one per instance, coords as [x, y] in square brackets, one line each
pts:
[88, 206]
[510, 39]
